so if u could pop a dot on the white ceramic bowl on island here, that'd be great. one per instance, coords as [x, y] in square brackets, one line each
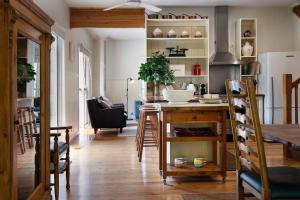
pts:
[178, 96]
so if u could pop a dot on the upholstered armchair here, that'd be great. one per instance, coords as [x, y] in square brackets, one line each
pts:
[103, 114]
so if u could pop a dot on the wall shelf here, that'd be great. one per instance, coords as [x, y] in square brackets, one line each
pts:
[177, 38]
[198, 47]
[243, 25]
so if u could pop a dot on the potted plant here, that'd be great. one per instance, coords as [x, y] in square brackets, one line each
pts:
[156, 71]
[25, 74]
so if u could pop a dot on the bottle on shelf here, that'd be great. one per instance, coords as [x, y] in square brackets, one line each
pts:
[197, 69]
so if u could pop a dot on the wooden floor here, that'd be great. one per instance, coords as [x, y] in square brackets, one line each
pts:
[106, 167]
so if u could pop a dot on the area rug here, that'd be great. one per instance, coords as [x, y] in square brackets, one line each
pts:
[212, 196]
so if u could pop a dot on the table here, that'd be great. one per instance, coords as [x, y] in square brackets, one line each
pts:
[193, 113]
[287, 134]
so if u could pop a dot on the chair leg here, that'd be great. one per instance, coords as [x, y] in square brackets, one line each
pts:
[68, 176]
[240, 189]
[265, 194]
[56, 182]
[95, 130]
[121, 130]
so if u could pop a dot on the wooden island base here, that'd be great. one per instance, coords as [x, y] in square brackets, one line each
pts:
[192, 113]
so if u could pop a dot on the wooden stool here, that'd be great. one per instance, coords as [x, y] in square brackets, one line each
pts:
[20, 132]
[147, 131]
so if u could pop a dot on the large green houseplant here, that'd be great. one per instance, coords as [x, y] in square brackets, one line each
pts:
[156, 71]
[25, 74]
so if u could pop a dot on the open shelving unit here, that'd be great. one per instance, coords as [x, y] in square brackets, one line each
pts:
[243, 25]
[198, 47]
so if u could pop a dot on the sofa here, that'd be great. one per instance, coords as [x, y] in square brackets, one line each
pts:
[104, 114]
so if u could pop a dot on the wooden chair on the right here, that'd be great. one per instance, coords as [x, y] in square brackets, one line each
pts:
[252, 172]
[290, 110]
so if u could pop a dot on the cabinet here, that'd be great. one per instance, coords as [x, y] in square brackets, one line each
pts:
[194, 114]
[246, 31]
[23, 21]
[189, 34]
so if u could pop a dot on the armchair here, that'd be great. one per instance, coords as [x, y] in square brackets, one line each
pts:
[102, 115]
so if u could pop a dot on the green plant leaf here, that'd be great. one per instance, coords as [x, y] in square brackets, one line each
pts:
[156, 69]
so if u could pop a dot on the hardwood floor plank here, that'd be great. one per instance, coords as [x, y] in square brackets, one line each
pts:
[107, 167]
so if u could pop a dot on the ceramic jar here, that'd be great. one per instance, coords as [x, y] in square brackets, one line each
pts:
[198, 34]
[185, 34]
[157, 33]
[171, 34]
[247, 49]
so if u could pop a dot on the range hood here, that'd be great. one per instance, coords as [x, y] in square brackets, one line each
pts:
[222, 56]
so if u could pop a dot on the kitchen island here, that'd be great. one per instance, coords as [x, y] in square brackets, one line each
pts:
[193, 113]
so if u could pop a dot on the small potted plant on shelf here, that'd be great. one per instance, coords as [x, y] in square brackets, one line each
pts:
[25, 74]
[156, 71]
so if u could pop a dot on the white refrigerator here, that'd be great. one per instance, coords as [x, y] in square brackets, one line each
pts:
[270, 81]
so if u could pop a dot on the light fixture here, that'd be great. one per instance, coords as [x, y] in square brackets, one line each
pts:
[131, 80]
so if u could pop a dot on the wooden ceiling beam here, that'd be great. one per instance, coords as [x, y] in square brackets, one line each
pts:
[116, 18]
[296, 10]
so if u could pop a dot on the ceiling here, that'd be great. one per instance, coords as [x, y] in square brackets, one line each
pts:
[119, 33]
[186, 3]
[131, 34]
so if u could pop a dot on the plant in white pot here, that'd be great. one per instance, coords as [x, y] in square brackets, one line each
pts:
[156, 71]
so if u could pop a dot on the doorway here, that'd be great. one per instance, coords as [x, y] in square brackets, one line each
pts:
[84, 86]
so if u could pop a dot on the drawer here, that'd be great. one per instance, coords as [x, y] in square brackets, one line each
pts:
[191, 117]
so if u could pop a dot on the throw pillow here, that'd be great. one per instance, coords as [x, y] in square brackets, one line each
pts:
[104, 105]
[107, 101]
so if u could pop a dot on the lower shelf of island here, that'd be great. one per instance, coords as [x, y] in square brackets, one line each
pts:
[190, 170]
[193, 138]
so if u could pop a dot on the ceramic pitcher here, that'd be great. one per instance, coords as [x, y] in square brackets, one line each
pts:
[247, 49]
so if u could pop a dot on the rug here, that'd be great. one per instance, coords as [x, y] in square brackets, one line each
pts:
[231, 161]
[212, 196]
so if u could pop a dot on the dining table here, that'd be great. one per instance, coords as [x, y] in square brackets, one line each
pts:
[287, 134]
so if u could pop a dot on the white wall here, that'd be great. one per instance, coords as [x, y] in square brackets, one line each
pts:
[123, 60]
[59, 11]
[297, 32]
[96, 68]
[275, 25]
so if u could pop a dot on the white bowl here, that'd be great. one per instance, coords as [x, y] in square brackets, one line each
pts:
[178, 95]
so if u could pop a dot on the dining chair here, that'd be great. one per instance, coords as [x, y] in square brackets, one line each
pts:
[252, 172]
[60, 157]
[59, 150]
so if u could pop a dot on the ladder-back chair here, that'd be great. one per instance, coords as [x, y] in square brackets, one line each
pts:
[252, 172]
[290, 116]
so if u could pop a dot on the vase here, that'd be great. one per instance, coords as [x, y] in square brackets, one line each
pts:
[156, 92]
[247, 49]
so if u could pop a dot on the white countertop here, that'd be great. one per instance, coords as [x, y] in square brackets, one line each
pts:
[186, 104]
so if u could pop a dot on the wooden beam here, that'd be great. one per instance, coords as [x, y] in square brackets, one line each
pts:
[296, 10]
[116, 18]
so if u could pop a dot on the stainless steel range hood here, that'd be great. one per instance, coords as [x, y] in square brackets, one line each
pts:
[222, 56]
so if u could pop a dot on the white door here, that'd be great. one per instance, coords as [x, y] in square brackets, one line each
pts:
[84, 88]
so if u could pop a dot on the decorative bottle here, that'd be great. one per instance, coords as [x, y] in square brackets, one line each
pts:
[197, 69]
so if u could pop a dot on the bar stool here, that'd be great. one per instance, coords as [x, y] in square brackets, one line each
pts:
[147, 131]
[20, 132]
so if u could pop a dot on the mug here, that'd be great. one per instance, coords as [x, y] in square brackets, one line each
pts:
[199, 162]
[179, 162]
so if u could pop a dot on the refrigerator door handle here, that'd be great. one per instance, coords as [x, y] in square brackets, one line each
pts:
[272, 96]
